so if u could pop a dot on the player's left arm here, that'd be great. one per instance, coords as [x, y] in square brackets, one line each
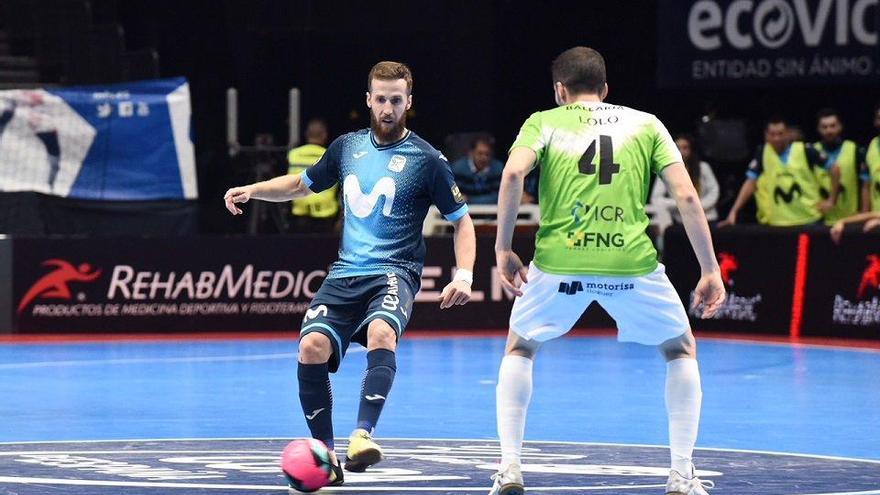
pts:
[818, 159]
[448, 198]
[520, 162]
[458, 292]
[826, 205]
[666, 160]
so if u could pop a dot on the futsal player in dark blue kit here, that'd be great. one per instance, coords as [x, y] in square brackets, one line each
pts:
[389, 178]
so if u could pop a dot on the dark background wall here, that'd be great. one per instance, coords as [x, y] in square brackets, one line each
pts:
[477, 66]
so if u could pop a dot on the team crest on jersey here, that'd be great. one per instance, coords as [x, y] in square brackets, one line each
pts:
[396, 164]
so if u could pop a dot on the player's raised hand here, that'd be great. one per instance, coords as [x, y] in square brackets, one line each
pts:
[236, 195]
[513, 273]
[456, 293]
[709, 294]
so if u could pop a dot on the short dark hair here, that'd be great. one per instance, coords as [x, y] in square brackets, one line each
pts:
[580, 70]
[390, 71]
[484, 138]
[316, 128]
[776, 119]
[828, 112]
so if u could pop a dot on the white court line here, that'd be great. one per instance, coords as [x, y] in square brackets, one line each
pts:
[192, 486]
[790, 345]
[484, 440]
[101, 362]
[27, 480]
[190, 359]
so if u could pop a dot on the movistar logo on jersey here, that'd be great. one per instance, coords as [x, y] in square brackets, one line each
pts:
[793, 192]
[362, 204]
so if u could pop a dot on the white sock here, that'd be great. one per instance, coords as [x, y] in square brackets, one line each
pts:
[683, 399]
[512, 400]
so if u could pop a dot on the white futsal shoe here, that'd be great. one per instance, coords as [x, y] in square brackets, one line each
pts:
[679, 485]
[508, 482]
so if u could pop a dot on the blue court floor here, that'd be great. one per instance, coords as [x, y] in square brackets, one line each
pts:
[757, 397]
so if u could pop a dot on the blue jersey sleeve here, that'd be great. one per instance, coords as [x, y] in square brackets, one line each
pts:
[756, 167]
[325, 173]
[444, 192]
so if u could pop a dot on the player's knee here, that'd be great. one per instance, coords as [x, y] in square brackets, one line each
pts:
[380, 335]
[314, 348]
[684, 346]
[517, 346]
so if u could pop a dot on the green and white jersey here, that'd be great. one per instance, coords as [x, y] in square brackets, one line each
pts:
[596, 164]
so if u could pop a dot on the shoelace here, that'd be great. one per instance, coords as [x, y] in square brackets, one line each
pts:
[708, 484]
[499, 475]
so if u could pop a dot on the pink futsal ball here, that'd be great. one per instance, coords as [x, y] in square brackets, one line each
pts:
[306, 464]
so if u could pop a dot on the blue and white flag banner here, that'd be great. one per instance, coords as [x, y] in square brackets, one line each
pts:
[128, 141]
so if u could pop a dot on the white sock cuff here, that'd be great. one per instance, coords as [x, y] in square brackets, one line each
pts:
[513, 362]
[686, 364]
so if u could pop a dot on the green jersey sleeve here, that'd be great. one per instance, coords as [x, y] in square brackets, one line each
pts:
[665, 151]
[531, 136]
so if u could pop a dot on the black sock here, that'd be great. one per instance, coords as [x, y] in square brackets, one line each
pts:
[316, 398]
[381, 367]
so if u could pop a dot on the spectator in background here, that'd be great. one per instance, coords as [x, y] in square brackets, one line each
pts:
[871, 170]
[839, 178]
[701, 175]
[795, 133]
[478, 174]
[316, 212]
[782, 179]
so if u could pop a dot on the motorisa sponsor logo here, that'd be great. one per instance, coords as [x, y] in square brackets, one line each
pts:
[128, 290]
[736, 307]
[743, 26]
[865, 309]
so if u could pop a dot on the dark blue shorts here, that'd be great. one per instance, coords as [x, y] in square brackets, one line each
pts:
[343, 307]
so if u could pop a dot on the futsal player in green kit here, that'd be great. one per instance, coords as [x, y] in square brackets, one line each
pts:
[596, 163]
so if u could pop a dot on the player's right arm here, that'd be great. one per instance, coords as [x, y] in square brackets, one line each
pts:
[281, 188]
[710, 291]
[316, 178]
[756, 167]
[745, 194]
[510, 266]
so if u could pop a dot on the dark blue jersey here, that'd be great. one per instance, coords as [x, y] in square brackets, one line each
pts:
[386, 192]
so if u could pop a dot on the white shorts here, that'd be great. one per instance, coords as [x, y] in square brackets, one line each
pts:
[647, 309]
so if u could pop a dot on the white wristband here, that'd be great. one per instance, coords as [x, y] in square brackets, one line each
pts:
[464, 275]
